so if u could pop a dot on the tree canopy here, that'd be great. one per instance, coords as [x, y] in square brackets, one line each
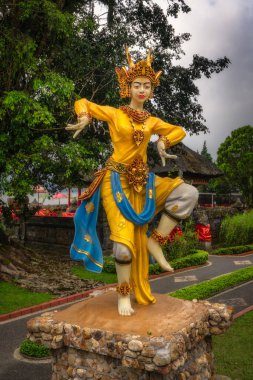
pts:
[235, 159]
[53, 52]
[205, 153]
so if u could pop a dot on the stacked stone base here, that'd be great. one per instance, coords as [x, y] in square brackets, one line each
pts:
[75, 364]
[175, 349]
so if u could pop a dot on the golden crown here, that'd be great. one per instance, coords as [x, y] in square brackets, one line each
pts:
[143, 68]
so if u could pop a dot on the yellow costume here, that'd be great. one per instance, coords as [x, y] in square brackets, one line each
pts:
[125, 151]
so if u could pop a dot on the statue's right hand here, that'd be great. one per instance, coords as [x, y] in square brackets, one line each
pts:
[82, 123]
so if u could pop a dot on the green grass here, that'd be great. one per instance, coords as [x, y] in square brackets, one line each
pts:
[233, 351]
[13, 297]
[107, 278]
[209, 288]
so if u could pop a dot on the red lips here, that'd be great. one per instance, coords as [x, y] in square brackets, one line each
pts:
[141, 96]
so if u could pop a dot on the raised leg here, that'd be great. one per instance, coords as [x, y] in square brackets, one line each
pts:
[123, 259]
[164, 228]
[178, 206]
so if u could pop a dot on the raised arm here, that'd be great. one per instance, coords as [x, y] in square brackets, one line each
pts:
[84, 107]
[85, 111]
[169, 135]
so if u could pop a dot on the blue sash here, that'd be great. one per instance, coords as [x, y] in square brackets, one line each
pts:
[125, 206]
[86, 246]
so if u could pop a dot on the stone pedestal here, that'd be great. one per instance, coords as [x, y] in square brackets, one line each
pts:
[168, 340]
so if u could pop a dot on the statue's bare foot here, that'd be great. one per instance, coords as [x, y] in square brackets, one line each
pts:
[156, 251]
[124, 306]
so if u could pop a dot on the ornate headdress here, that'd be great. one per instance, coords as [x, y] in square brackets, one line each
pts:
[143, 68]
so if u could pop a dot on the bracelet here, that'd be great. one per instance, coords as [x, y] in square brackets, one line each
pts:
[123, 289]
[165, 140]
[86, 114]
[161, 240]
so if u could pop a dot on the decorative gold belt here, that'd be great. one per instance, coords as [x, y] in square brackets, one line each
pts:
[136, 172]
[115, 166]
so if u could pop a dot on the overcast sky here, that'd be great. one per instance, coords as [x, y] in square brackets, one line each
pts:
[218, 28]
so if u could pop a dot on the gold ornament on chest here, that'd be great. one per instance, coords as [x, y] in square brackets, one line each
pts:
[138, 117]
[138, 136]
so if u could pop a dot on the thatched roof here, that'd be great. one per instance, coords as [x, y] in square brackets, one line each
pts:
[189, 164]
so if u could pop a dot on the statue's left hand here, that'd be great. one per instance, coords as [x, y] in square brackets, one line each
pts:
[77, 128]
[163, 154]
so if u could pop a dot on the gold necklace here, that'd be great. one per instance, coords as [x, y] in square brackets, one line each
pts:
[138, 134]
[136, 115]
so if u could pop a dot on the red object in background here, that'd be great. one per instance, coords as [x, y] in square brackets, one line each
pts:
[13, 215]
[45, 212]
[68, 214]
[177, 231]
[69, 195]
[79, 192]
[204, 232]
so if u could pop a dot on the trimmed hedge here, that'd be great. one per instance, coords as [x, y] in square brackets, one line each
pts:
[198, 257]
[34, 350]
[209, 288]
[233, 250]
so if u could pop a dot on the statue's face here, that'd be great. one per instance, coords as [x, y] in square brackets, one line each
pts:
[140, 89]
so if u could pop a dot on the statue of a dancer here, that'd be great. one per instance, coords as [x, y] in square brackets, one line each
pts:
[131, 196]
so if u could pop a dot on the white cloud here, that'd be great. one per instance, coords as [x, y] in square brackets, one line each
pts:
[218, 28]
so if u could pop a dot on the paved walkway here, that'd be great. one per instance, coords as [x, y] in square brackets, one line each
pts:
[14, 331]
[217, 266]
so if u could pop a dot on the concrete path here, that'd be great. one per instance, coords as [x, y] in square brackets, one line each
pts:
[217, 266]
[14, 331]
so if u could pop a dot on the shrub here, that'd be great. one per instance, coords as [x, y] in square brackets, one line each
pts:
[182, 245]
[109, 264]
[233, 250]
[237, 230]
[214, 286]
[34, 350]
[197, 257]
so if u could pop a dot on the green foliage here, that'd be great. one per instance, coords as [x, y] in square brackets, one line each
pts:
[228, 349]
[233, 250]
[109, 264]
[235, 159]
[209, 288]
[205, 153]
[109, 276]
[237, 230]
[54, 52]
[14, 298]
[197, 257]
[182, 245]
[34, 350]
